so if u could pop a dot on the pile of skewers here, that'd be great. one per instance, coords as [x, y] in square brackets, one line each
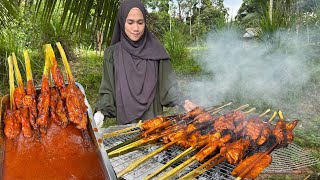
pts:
[31, 111]
[234, 137]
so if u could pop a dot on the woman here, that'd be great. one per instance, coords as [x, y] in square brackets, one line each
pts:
[138, 79]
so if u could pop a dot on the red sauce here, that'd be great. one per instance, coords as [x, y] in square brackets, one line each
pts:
[61, 154]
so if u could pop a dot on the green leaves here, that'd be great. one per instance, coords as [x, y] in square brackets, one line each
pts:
[80, 15]
[8, 11]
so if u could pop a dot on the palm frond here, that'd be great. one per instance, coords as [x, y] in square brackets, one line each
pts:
[8, 11]
[79, 15]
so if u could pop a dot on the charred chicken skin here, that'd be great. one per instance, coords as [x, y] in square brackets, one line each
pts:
[193, 113]
[262, 163]
[283, 131]
[254, 128]
[235, 151]
[213, 145]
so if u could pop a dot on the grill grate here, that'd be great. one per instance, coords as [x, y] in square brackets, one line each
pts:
[286, 159]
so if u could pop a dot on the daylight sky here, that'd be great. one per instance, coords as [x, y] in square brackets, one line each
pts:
[233, 6]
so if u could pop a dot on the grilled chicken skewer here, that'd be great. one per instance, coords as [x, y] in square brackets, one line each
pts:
[58, 93]
[153, 124]
[77, 110]
[44, 97]
[21, 113]
[253, 165]
[178, 137]
[29, 101]
[231, 156]
[11, 126]
[213, 146]
[153, 137]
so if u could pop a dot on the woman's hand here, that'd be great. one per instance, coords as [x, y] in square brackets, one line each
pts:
[98, 119]
[188, 105]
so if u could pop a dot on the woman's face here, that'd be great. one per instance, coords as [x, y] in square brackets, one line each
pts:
[135, 24]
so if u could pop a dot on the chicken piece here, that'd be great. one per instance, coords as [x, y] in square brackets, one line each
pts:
[153, 122]
[61, 112]
[53, 103]
[238, 117]
[43, 105]
[18, 95]
[21, 113]
[257, 130]
[234, 151]
[261, 164]
[212, 146]
[283, 131]
[29, 101]
[77, 110]
[193, 113]
[204, 117]
[23, 118]
[12, 126]
[57, 75]
[172, 131]
[223, 123]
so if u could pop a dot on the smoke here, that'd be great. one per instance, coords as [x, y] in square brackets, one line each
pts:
[251, 71]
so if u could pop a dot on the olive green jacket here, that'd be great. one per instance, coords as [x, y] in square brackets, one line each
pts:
[167, 94]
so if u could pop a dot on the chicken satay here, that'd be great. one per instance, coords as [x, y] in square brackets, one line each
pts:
[263, 162]
[12, 126]
[235, 151]
[43, 105]
[193, 113]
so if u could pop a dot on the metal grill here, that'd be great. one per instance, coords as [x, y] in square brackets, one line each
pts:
[286, 159]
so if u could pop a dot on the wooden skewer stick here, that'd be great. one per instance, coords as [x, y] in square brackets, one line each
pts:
[181, 155]
[266, 112]
[272, 117]
[132, 145]
[144, 158]
[202, 168]
[249, 111]
[65, 63]
[242, 107]
[11, 82]
[219, 108]
[281, 115]
[177, 169]
[255, 162]
[28, 66]
[123, 131]
[17, 71]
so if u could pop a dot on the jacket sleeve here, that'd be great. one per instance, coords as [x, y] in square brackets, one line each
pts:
[170, 94]
[106, 99]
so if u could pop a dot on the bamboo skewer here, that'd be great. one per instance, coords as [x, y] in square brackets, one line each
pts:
[193, 159]
[181, 155]
[28, 66]
[272, 117]
[255, 162]
[11, 82]
[120, 150]
[65, 63]
[201, 169]
[144, 158]
[17, 71]
[123, 131]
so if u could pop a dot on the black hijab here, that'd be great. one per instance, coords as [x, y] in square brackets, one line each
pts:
[136, 66]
